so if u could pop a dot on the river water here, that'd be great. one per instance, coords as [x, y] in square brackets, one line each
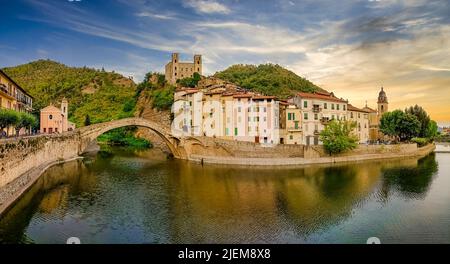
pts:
[141, 197]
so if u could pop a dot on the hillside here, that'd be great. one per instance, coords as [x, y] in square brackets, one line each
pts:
[269, 79]
[102, 95]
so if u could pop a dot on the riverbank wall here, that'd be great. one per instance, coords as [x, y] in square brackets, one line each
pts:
[218, 151]
[22, 161]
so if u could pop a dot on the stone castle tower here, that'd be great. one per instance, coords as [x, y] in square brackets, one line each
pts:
[176, 69]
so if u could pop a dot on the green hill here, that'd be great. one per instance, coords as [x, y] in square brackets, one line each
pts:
[101, 95]
[269, 79]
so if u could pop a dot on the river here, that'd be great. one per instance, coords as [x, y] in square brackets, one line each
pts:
[141, 197]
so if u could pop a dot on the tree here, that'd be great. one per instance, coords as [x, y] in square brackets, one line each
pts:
[400, 125]
[432, 131]
[422, 116]
[87, 120]
[7, 118]
[338, 136]
[24, 120]
[190, 81]
[408, 127]
[388, 123]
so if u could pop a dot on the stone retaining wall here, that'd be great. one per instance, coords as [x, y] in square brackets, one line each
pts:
[23, 160]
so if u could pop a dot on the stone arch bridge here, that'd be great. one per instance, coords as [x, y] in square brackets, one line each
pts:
[90, 133]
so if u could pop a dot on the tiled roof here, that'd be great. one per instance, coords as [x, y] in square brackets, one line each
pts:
[369, 110]
[321, 96]
[356, 109]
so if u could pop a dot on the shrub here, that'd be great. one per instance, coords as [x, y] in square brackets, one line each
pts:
[420, 141]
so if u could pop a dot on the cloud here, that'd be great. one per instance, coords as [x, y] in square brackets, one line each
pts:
[155, 15]
[402, 45]
[208, 6]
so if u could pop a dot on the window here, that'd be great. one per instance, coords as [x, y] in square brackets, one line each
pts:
[305, 104]
[316, 117]
[293, 116]
[235, 131]
[50, 117]
[343, 106]
[227, 131]
[239, 119]
[332, 116]
[325, 106]
[289, 116]
[291, 137]
[337, 106]
[45, 130]
[305, 116]
[359, 115]
[239, 109]
[351, 114]
[249, 129]
[332, 106]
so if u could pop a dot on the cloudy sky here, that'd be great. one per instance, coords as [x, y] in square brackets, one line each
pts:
[349, 47]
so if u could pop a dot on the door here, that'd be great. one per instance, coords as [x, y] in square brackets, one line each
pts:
[50, 130]
[316, 140]
[257, 139]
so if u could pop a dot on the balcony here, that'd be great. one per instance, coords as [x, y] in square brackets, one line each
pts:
[316, 132]
[324, 120]
[4, 89]
[294, 129]
[316, 108]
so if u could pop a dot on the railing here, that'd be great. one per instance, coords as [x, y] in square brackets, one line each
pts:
[325, 121]
[316, 132]
[4, 89]
[316, 109]
[294, 129]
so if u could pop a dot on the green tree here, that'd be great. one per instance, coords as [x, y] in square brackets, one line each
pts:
[399, 124]
[432, 131]
[338, 136]
[190, 81]
[422, 116]
[25, 120]
[87, 120]
[408, 127]
[388, 123]
[8, 118]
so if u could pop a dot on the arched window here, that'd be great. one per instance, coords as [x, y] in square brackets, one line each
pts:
[50, 117]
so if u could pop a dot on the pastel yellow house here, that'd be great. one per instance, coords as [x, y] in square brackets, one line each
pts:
[13, 97]
[293, 125]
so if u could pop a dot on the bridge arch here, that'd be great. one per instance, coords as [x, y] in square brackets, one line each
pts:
[90, 133]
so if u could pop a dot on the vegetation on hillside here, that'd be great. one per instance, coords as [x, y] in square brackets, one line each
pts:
[190, 81]
[155, 87]
[269, 79]
[338, 136]
[101, 95]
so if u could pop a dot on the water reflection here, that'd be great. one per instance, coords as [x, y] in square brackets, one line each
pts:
[144, 198]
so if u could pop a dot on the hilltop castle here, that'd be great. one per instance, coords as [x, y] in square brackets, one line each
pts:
[176, 69]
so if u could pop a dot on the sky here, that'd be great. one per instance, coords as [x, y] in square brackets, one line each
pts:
[349, 47]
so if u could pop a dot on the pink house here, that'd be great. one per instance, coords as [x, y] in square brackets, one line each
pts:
[54, 120]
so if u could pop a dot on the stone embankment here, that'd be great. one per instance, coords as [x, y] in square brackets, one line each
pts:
[218, 151]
